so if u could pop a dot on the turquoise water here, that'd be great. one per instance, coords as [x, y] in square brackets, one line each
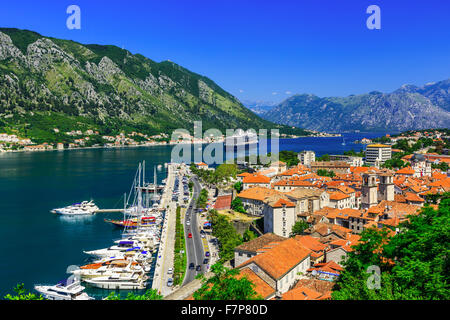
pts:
[37, 246]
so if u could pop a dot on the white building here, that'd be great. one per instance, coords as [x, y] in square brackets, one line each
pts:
[279, 215]
[281, 264]
[354, 161]
[306, 157]
[377, 154]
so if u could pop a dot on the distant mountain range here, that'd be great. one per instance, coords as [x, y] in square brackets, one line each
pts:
[259, 107]
[48, 83]
[407, 108]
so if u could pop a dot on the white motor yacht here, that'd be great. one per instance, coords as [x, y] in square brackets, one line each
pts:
[64, 290]
[122, 281]
[83, 208]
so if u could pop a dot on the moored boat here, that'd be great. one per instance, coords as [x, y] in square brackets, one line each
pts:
[83, 208]
[64, 290]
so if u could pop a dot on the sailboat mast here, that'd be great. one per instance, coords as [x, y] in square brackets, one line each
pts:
[143, 175]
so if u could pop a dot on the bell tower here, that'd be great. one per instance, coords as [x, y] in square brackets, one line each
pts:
[386, 187]
[369, 196]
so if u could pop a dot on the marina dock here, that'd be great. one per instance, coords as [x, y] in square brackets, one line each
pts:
[108, 210]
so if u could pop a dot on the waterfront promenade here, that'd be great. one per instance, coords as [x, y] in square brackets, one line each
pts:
[164, 259]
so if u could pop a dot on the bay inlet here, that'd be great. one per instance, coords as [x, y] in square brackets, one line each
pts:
[38, 246]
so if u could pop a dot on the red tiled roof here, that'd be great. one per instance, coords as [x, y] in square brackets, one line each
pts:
[257, 193]
[262, 288]
[256, 179]
[301, 293]
[406, 171]
[277, 261]
[409, 196]
[260, 242]
[336, 196]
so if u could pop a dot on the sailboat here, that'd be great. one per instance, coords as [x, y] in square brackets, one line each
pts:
[343, 141]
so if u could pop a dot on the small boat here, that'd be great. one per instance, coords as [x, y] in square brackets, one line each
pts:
[64, 290]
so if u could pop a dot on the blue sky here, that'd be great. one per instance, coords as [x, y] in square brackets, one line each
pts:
[264, 50]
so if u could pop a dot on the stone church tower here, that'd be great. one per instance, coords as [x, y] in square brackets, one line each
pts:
[386, 186]
[369, 197]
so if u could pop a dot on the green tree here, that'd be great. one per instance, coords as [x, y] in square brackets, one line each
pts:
[413, 263]
[151, 294]
[325, 173]
[237, 205]
[226, 234]
[226, 285]
[226, 171]
[394, 163]
[443, 166]
[23, 294]
[249, 235]
[238, 186]
[299, 227]
[289, 157]
[325, 157]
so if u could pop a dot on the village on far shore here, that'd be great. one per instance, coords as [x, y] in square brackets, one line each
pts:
[10, 142]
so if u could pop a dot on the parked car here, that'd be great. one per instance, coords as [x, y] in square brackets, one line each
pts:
[190, 235]
[205, 261]
[198, 268]
[207, 254]
[170, 282]
[170, 271]
[191, 265]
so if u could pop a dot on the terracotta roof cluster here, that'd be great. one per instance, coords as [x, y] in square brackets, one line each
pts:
[342, 188]
[294, 183]
[330, 266]
[311, 243]
[406, 171]
[412, 197]
[325, 229]
[337, 196]
[279, 260]
[320, 286]
[392, 208]
[260, 242]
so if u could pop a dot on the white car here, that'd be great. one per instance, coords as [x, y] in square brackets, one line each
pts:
[188, 223]
[170, 271]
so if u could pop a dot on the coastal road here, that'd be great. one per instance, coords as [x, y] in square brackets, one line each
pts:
[194, 245]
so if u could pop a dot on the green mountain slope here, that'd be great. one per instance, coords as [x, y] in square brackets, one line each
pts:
[107, 88]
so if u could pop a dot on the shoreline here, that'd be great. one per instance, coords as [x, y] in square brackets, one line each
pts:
[143, 145]
[159, 145]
